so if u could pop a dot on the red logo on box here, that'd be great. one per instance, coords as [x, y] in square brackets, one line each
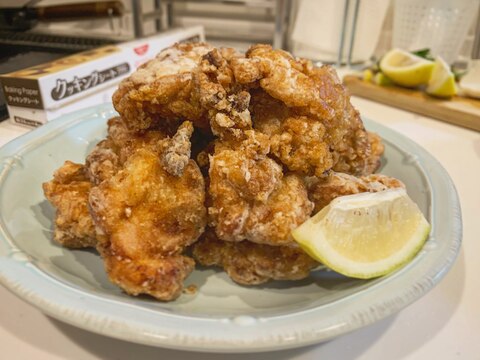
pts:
[140, 50]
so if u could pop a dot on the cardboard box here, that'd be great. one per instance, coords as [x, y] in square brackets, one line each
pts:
[44, 92]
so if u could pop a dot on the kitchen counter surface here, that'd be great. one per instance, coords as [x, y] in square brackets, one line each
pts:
[444, 324]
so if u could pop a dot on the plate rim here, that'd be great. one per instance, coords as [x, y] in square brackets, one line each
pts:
[73, 309]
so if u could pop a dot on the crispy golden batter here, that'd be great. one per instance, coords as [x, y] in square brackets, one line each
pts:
[250, 264]
[145, 217]
[296, 141]
[225, 102]
[176, 150]
[352, 154]
[322, 191]
[286, 208]
[102, 162]
[107, 157]
[162, 89]
[377, 150]
[282, 77]
[68, 193]
[159, 277]
[250, 198]
[306, 90]
[349, 140]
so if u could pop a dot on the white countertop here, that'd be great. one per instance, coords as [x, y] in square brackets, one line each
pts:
[444, 324]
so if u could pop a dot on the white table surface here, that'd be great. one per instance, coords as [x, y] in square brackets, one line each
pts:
[444, 324]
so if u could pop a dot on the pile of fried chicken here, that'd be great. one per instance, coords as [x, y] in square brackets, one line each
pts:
[215, 156]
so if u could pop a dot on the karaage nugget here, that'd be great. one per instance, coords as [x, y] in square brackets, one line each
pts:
[145, 218]
[161, 89]
[108, 155]
[250, 198]
[349, 139]
[297, 141]
[308, 97]
[282, 77]
[248, 263]
[68, 192]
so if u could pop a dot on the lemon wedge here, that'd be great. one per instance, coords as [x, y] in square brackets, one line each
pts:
[406, 69]
[442, 80]
[365, 235]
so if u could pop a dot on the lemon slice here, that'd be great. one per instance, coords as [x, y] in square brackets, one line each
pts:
[405, 68]
[442, 81]
[365, 235]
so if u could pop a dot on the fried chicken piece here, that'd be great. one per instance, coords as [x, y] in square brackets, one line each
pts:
[248, 263]
[353, 153]
[282, 77]
[299, 146]
[237, 179]
[305, 89]
[132, 259]
[161, 89]
[287, 208]
[323, 191]
[296, 141]
[107, 157]
[349, 140]
[306, 95]
[145, 218]
[68, 193]
[250, 198]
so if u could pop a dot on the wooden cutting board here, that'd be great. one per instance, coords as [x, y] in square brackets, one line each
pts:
[458, 110]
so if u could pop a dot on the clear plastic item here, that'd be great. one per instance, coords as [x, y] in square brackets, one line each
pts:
[318, 27]
[440, 25]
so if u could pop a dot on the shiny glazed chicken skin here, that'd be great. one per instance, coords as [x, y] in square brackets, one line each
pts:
[217, 155]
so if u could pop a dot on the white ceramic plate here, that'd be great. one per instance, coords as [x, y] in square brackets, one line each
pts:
[222, 316]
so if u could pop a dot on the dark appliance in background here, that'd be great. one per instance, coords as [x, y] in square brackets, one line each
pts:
[20, 49]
